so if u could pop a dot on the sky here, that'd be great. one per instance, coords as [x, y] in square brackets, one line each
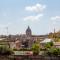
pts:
[41, 15]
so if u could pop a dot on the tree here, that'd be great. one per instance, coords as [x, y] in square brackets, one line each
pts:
[49, 45]
[53, 52]
[4, 50]
[36, 48]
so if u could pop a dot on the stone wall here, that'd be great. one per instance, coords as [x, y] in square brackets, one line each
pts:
[27, 57]
[37, 57]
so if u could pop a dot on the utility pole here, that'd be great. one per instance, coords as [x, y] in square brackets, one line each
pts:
[54, 34]
[7, 36]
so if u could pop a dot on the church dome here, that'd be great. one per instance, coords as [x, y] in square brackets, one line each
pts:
[28, 31]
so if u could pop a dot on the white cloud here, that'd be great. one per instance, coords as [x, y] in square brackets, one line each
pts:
[55, 18]
[35, 8]
[33, 18]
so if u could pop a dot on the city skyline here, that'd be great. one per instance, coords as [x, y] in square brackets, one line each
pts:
[41, 16]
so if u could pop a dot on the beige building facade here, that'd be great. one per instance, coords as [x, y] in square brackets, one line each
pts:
[26, 40]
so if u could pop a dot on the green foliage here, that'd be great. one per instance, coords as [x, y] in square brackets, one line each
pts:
[15, 49]
[35, 48]
[53, 52]
[42, 49]
[22, 49]
[57, 39]
[4, 50]
[48, 45]
[25, 49]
